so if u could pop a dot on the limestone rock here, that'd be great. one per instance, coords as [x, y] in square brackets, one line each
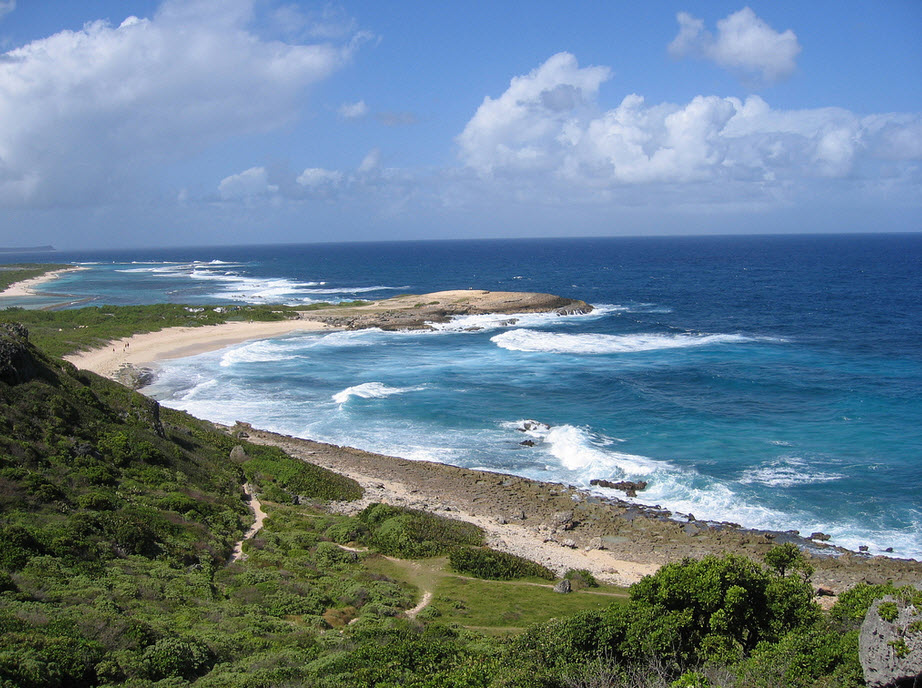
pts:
[889, 648]
[238, 454]
[629, 487]
[16, 362]
[563, 586]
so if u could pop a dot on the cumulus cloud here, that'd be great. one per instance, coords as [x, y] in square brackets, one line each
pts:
[546, 129]
[82, 111]
[353, 110]
[371, 162]
[745, 44]
[250, 183]
[518, 128]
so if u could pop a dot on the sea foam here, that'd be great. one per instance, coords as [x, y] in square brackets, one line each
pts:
[564, 343]
[371, 390]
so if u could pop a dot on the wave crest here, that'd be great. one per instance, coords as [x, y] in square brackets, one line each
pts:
[371, 390]
[562, 343]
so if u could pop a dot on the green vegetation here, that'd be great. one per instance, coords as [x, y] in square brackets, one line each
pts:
[412, 534]
[484, 562]
[117, 520]
[66, 331]
[18, 272]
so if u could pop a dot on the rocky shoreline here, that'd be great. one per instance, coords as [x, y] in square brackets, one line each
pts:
[564, 527]
[414, 312]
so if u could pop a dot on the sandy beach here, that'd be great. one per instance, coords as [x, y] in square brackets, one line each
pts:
[142, 350]
[27, 287]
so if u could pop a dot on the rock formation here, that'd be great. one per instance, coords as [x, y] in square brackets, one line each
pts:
[890, 645]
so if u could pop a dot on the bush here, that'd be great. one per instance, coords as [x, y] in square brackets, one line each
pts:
[581, 578]
[410, 533]
[177, 657]
[483, 562]
[269, 465]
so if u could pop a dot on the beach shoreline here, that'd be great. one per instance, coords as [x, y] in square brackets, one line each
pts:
[148, 348]
[27, 288]
[560, 526]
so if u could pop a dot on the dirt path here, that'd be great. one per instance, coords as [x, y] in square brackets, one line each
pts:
[260, 515]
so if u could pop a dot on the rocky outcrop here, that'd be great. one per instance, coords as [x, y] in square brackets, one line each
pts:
[563, 586]
[16, 362]
[421, 311]
[133, 377]
[629, 487]
[890, 645]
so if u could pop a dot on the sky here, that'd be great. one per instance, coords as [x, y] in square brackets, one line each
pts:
[134, 123]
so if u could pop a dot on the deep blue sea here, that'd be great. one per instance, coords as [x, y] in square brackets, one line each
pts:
[773, 381]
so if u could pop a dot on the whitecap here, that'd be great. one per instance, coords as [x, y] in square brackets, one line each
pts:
[261, 351]
[787, 471]
[371, 390]
[564, 343]
[579, 450]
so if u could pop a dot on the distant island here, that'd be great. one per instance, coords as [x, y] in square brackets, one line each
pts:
[27, 249]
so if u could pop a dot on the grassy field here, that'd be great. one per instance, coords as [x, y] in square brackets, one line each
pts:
[493, 607]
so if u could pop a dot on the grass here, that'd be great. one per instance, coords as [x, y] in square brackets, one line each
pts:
[492, 607]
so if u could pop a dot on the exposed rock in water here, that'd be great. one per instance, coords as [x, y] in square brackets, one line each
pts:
[16, 362]
[528, 443]
[529, 425]
[629, 487]
[822, 537]
[890, 651]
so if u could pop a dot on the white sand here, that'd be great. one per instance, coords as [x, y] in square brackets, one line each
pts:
[176, 342]
[27, 287]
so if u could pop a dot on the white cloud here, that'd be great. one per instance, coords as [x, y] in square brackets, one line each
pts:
[353, 110]
[6, 6]
[545, 133]
[317, 176]
[518, 128]
[745, 44]
[250, 183]
[371, 162]
[82, 112]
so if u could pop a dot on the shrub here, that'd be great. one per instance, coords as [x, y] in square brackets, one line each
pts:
[177, 657]
[581, 578]
[410, 533]
[489, 563]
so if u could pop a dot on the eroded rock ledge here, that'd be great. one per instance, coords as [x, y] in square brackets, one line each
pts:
[419, 311]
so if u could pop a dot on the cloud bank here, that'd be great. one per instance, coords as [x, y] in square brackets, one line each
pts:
[548, 125]
[83, 113]
[744, 44]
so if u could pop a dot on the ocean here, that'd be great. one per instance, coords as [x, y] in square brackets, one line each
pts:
[770, 381]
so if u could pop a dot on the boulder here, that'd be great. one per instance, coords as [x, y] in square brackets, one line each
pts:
[822, 537]
[563, 519]
[238, 454]
[890, 644]
[563, 586]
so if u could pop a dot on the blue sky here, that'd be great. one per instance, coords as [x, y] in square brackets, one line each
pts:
[197, 122]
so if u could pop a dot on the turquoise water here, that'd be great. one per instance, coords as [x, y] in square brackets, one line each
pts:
[771, 381]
